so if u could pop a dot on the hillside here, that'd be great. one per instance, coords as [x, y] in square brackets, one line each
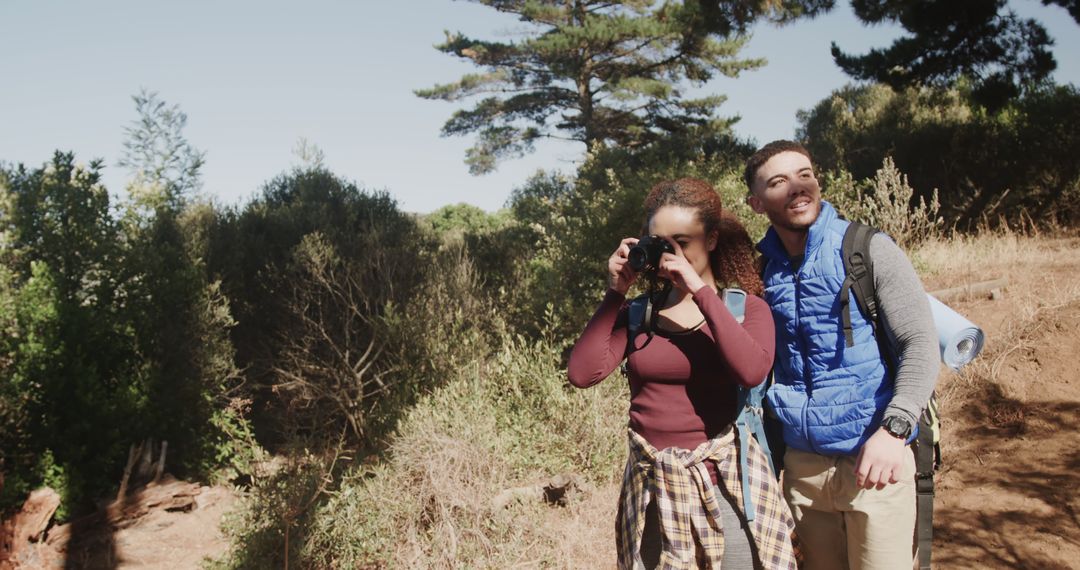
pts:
[1005, 496]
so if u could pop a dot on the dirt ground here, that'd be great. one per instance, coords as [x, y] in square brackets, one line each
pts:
[1007, 495]
[171, 525]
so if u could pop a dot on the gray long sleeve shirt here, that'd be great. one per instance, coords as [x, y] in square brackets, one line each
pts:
[910, 328]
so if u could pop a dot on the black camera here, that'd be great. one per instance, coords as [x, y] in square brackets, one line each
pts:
[645, 255]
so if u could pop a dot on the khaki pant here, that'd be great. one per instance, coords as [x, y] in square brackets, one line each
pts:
[845, 527]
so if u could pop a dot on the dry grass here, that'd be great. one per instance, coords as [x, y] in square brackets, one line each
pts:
[1036, 296]
[948, 262]
[1004, 497]
[508, 422]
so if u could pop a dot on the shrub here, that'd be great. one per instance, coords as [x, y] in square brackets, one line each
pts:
[270, 523]
[886, 202]
[507, 422]
[1012, 162]
[500, 422]
[572, 223]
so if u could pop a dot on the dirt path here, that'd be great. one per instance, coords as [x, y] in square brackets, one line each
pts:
[1007, 494]
[171, 525]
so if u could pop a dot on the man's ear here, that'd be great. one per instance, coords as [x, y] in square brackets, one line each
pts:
[755, 203]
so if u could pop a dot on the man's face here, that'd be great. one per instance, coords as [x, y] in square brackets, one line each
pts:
[786, 190]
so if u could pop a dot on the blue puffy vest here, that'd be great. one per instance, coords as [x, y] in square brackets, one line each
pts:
[830, 397]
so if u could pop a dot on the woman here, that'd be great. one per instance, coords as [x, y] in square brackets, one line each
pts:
[681, 500]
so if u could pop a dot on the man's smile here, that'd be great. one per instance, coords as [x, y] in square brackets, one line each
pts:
[800, 204]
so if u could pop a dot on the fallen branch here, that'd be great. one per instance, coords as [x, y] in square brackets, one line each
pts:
[133, 454]
[965, 291]
[554, 492]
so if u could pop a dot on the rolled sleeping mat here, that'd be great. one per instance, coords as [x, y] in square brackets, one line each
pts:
[959, 339]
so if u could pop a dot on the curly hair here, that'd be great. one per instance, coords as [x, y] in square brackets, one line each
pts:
[732, 261]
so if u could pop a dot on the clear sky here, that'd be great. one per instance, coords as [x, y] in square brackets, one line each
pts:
[255, 76]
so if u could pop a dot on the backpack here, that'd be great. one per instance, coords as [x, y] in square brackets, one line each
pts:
[751, 419]
[859, 270]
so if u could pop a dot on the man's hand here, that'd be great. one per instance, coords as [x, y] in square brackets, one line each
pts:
[880, 460]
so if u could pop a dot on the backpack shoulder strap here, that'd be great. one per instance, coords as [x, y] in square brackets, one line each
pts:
[859, 271]
[750, 420]
[637, 320]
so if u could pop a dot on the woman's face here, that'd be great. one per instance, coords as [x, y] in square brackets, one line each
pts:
[684, 227]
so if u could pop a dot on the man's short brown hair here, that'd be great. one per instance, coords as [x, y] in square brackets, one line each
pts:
[765, 153]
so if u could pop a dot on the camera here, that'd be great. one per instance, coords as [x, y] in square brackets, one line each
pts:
[645, 255]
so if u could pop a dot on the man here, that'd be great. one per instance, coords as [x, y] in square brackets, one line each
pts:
[848, 412]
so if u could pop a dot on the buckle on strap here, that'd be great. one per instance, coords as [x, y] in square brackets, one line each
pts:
[924, 483]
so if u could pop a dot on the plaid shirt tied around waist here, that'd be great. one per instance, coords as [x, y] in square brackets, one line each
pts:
[687, 503]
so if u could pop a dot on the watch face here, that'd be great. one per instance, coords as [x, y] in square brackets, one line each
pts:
[898, 427]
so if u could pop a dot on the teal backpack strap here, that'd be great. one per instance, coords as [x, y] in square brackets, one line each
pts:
[637, 321]
[750, 421]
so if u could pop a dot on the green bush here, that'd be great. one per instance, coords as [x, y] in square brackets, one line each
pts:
[270, 523]
[1014, 162]
[568, 226]
[113, 335]
[311, 267]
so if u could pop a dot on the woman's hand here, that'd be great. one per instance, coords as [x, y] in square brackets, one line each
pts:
[675, 268]
[620, 275]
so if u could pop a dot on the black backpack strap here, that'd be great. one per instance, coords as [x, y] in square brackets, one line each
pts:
[927, 460]
[642, 315]
[859, 271]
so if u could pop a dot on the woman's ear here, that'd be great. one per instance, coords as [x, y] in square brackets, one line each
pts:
[710, 243]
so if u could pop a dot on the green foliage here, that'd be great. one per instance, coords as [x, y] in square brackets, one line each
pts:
[181, 318]
[729, 16]
[465, 219]
[977, 38]
[312, 268]
[165, 165]
[884, 202]
[1009, 163]
[112, 335]
[494, 408]
[270, 524]
[609, 73]
[568, 227]
[69, 361]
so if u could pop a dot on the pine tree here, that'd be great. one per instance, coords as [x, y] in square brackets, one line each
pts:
[1001, 52]
[595, 72]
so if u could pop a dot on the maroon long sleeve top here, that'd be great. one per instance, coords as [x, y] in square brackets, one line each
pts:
[683, 387]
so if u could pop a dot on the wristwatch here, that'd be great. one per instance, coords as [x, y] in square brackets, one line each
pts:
[898, 427]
